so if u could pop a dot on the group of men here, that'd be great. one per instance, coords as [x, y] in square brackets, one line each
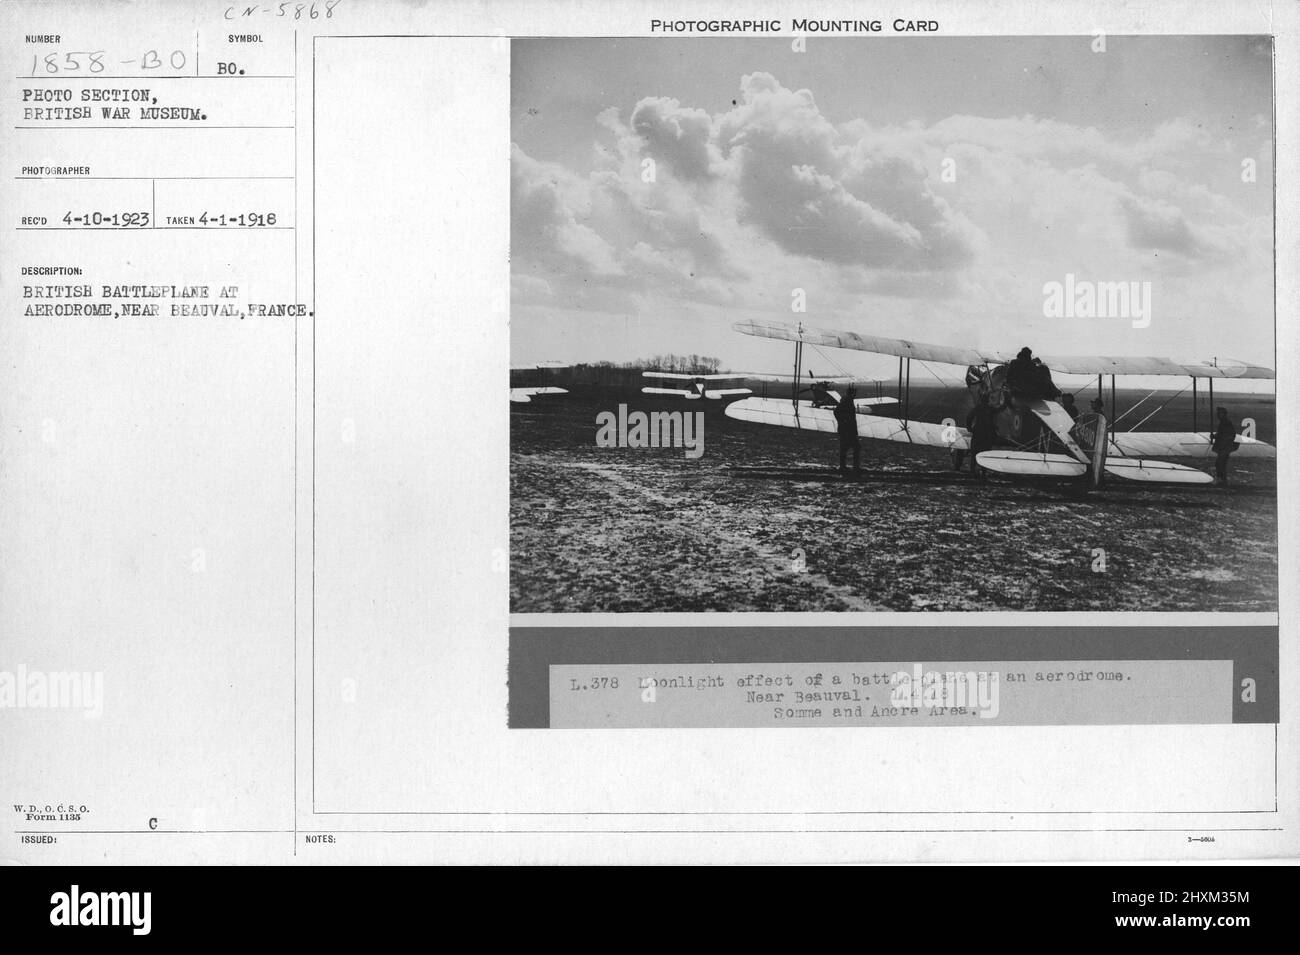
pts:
[1028, 377]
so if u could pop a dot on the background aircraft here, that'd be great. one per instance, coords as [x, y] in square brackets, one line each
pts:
[523, 395]
[699, 386]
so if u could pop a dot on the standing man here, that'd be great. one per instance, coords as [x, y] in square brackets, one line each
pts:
[983, 432]
[1223, 444]
[846, 420]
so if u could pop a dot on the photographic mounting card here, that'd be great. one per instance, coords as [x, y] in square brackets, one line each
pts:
[863, 494]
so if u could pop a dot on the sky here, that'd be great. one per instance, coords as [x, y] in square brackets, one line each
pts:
[923, 188]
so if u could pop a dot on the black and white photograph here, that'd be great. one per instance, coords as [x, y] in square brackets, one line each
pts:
[929, 324]
[894, 468]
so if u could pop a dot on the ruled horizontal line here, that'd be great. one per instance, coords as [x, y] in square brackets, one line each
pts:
[100, 77]
[620, 832]
[155, 228]
[147, 178]
[188, 126]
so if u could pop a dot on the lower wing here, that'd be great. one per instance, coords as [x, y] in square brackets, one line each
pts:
[679, 392]
[1185, 444]
[805, 417]
[521, 396]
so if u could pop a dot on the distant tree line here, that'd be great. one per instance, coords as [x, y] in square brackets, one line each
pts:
[681, 364]
[622, 373]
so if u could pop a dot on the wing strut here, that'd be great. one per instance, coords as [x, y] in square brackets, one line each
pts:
[904, 387]
[907, 396]
[1100, 445]
[798, 360]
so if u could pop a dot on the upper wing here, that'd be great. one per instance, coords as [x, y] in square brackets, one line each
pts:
[836, 379]
[872, 343]
[957, 355]
[1104, 365]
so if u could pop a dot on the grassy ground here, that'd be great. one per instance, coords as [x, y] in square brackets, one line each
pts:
[764, 522]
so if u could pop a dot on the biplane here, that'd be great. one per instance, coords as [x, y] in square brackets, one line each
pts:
[523, 395]
[818, 386]
[698, 387]
[1035, 435]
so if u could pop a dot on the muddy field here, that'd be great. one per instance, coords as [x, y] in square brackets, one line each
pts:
[763, 521]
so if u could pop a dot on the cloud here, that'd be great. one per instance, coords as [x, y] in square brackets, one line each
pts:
[547, 203]
[526, 288]
[675, 135]
[974, 213]
[1157, 225]
[812, 189]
